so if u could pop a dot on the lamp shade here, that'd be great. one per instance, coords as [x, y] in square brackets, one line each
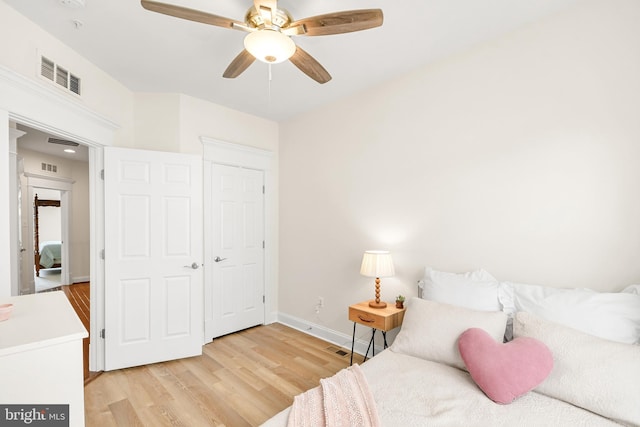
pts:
[269, 46]
[377, 264]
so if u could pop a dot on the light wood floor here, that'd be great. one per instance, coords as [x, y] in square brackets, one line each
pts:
[241, 379]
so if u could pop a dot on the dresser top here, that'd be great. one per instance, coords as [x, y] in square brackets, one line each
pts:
[39, 320]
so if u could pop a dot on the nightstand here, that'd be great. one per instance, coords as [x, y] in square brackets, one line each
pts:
[383, 319]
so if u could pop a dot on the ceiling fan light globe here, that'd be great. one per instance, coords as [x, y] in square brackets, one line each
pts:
[269, 46]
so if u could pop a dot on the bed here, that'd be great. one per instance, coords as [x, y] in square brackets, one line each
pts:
[47, 254]
[427, 377]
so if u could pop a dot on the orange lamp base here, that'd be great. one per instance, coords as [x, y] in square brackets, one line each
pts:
[377, 304]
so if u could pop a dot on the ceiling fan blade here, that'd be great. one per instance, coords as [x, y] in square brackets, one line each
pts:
[191, 14]
[308, 65]
[340, 22]
[298, 30]
[238, 65]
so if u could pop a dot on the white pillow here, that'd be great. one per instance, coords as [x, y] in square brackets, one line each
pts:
[612, 316]
[632, 289]
[430, 330]
[598, 375]
[477, 290]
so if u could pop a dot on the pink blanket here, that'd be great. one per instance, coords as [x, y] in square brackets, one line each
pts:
[343, 400]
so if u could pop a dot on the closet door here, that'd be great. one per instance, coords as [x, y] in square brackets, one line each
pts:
[235, 277]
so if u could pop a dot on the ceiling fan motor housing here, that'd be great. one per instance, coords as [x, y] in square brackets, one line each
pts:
[280, 18]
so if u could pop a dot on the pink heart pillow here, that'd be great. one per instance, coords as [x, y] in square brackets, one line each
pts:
[504, 372]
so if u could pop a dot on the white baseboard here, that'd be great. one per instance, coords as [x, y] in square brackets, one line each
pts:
[324, 333]
[79, 279]
[271, 317]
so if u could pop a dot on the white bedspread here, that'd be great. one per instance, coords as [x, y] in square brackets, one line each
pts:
[416, 392]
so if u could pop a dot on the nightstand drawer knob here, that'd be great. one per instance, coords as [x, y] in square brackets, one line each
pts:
[364, 319]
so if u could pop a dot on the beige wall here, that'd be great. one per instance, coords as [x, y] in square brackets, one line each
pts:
[157, 121]
[520, 157]
[175, 122]
[201, 118]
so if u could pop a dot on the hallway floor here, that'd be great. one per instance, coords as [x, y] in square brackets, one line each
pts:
[78, 295]
[49, 278]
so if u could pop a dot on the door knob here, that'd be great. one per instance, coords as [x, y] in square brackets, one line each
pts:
[193, 265]
[218, 259]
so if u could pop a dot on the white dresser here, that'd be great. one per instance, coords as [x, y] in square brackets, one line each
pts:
[41, 354]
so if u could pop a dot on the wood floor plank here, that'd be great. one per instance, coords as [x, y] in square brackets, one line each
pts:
[241, 379]
[188, 409]
[201, 368]
[172, 414]
[102, 419]
[278, 379]
[235, 386]
[293, 365]
[209, 398]
[125, 414]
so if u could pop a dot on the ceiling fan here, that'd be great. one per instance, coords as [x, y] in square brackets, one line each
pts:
[270, 30]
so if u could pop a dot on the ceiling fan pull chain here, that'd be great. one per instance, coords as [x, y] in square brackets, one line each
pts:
[269, 96]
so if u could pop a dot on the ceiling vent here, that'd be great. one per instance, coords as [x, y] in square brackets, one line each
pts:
[62, 142]
[57, 74]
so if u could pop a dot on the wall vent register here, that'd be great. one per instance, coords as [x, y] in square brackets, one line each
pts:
[57, 74]
[49, 167]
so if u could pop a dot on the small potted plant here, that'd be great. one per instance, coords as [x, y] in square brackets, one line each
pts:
[400, 301]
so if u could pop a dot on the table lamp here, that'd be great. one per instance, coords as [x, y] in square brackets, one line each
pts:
[377, 264]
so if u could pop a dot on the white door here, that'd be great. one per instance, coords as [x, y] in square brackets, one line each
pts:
[234, 290]
[153, 257]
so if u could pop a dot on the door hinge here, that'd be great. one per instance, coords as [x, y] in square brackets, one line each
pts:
[263, 189]
[263, 244]
[102, 174]
[102, 254]
[263, 299]
[102, 333]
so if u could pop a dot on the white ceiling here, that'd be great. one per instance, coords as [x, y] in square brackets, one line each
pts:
[150, 52]
[36, 140]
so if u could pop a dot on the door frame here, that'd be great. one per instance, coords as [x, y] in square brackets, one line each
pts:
[28, 102]
[230, 154]
[16, 238]
[65, 187]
